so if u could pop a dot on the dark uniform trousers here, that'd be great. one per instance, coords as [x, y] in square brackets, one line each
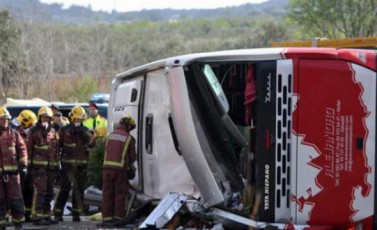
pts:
[27, 192]
[43, 179]
[10, 191]
[115, 189]
[75, 175]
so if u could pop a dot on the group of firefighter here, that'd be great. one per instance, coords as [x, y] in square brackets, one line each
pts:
[37, 151]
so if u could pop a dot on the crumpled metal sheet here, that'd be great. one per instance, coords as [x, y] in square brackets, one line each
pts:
[165, 211]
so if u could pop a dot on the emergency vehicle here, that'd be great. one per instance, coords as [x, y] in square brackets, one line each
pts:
[306, 140]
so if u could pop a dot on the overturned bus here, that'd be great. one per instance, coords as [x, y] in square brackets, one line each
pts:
[277, 135]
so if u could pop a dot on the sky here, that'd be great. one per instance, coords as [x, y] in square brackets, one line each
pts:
[137, 5]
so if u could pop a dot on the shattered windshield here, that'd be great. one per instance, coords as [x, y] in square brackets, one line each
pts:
[219, 113]
[216, 87]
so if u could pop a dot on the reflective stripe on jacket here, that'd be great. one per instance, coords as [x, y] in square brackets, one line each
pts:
[120, 150]
[74, 143]
[13, 151]
[43, 147]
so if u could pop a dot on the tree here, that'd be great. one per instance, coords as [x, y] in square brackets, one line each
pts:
[335, 18]
[10, 54]
[86, 86]
[95, 163]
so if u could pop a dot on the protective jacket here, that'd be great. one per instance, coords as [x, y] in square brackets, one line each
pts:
[12, 156]
[120, 150]
[26, 180]
[120, 153]
[43, 147]
[74, 143]
[91, 123]
[44, 160]
[22, 133]
[13, 151]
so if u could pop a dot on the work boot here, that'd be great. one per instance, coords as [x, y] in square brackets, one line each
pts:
[59, 218]
[51, 221]
[41, 222]
[27, 217]
[4, 226]
[76, 218]
[18, 226]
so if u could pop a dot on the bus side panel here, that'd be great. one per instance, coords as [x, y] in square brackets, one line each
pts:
[164, 170]
[265, 140]
[334, 122]
[126, 98]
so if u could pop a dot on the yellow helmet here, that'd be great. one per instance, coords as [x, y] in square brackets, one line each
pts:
[100, 131]
[27, 118]
[45, 111]
[4, 113]
[127, 120]
[77, 112]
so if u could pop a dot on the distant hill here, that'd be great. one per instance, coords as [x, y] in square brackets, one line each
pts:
[33, 10]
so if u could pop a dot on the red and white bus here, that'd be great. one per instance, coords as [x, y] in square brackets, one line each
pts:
[296, 124]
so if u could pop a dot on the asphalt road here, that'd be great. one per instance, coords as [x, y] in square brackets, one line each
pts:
[85, 223]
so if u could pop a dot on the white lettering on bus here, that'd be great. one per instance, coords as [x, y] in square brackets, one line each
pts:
[266, 187]
[329, 135]
[268, 88]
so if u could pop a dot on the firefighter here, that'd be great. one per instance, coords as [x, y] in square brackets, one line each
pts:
[120, 154]
[13, 161]
[61, 120]
[58, 121]
[25, 121]
[74, 142]
[44, 162]
[95, 119]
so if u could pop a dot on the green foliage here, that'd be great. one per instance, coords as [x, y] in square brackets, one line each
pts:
[84, 88]
[10, 55]
[95, 164]
[335, 18]
[54, 57]
[59, 55]
[8, 30]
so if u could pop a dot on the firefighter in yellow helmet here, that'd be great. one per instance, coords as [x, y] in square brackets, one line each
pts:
[120, 154]
[44, 162]
[75, 141]
[24, 122]
[13, 160]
